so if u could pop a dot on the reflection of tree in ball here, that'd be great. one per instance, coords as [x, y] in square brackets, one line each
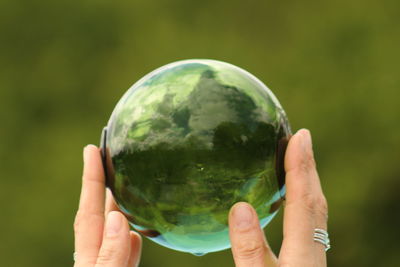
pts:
[188, 141]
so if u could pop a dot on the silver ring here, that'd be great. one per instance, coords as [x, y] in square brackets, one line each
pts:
[74, 256]
[321, 236]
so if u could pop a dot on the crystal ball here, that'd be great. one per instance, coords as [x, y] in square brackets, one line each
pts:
[185, 143]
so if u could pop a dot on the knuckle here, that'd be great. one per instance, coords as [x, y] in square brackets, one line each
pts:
[106, 255]
[249, 248]
[86, 218]
[307, 163]
[322, 206]
[316, 204]
[309, 201]
[85, 261]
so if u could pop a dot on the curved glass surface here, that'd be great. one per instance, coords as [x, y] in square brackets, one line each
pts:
[188, 141]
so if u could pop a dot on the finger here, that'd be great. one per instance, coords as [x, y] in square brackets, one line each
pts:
[136, 249]
[136, 240]
[89, 220]
[319, 206]
[249, 246]
[116, 246]
[316, 203]
[110, 202]
[305, 207]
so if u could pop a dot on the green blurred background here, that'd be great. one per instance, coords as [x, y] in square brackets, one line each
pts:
[334, 66]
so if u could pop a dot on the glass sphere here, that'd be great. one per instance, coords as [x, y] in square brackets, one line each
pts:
[185, 143]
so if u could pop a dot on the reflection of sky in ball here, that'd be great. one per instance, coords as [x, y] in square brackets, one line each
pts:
[189, 140]
[170, 88]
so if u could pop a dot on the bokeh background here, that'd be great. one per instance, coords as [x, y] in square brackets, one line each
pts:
[334, 66]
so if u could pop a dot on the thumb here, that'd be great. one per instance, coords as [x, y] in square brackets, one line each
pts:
[115, 249]
[249, 246]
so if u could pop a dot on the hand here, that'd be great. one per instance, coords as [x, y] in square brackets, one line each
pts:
[305, 210]
[100, 242]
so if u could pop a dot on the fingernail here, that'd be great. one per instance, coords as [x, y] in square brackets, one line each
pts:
[306, 142]
[242, 215]
[113, 223]
[86, 152]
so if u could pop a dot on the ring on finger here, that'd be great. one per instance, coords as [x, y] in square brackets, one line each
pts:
[322, 236]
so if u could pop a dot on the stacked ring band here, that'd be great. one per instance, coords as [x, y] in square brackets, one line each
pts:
[321, 236]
